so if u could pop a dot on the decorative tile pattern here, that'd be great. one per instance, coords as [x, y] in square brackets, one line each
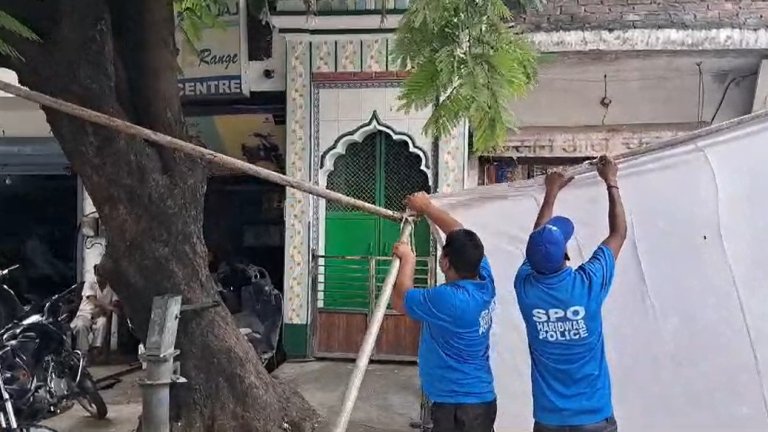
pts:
[451, 163]
[353, 55]
[401, 4]
[303, 156]
[348, 55]
[323, 89]
[342, 5]
[324, 56]
[375, 55]
[296, 203]
[389, 57]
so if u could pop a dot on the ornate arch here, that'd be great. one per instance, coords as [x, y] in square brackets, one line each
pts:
[373, 125]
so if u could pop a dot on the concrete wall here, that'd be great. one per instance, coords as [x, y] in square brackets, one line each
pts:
[19, 118]
[630, 14]
[653, 96]
[643, 88]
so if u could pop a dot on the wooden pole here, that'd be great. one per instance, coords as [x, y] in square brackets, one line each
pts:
[196, 151]
[369, 341]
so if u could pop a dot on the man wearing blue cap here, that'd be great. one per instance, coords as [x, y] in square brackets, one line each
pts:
[561, 307]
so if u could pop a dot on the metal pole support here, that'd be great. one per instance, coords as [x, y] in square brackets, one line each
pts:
[161, 370]
[369, 341]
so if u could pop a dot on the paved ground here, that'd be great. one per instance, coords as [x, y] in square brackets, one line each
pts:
[388, 400]
[123, 401]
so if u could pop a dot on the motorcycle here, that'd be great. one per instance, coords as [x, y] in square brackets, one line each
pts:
[8, 421]
[10, 307]
[41, 372]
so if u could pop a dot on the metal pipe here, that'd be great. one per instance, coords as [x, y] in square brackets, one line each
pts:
[209, 156]
[159, 356]
[155, 395]
[366, 350]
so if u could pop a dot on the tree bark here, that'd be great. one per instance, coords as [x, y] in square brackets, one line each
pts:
[118, 57]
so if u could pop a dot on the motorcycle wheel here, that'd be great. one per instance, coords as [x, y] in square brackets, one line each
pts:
[89, 398]
[35, 428]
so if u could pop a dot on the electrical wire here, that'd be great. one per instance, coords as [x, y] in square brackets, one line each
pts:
[725, 93]
[605, 102]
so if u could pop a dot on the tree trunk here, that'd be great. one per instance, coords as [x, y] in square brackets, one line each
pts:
[118, 57]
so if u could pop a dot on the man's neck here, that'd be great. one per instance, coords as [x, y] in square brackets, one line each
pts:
[459, 278]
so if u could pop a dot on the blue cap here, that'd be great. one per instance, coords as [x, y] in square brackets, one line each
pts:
[546, 249]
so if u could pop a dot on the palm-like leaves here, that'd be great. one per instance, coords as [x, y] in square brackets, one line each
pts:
[13, 26]
[466, 63]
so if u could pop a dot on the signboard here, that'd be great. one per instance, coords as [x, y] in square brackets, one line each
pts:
[245, 133]
[579, 144]
[214, 65]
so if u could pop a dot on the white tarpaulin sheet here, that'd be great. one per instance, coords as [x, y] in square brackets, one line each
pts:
[686, 322]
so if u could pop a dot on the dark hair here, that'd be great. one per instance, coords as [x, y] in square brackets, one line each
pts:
[464, 252]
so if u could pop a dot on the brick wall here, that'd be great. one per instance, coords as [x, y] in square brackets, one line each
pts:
[646, 14]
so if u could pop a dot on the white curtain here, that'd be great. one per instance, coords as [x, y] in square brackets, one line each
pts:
[686, 322]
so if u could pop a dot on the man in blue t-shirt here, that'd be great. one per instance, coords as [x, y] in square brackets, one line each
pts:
[561, 307]
[455, 317]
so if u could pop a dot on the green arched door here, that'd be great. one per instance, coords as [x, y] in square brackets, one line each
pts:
[381, 171]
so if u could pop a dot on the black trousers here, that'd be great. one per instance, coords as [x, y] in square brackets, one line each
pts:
[607, 425]
[463, 417]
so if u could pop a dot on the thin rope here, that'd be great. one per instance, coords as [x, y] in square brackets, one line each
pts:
[412, 237]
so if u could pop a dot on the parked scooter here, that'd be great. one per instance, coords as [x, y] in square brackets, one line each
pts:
[40, 371]
[257, 307]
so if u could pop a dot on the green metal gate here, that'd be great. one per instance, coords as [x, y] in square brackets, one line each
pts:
[349, 273]
[381, 171]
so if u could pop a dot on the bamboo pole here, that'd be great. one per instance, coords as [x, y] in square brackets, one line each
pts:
[369, 341]
[372, 332]
[196, 151]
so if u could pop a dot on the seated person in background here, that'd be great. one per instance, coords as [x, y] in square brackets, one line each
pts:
[97, 304]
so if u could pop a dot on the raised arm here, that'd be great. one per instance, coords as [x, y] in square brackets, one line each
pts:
[554, 183]
[617, 221]
[421, 204]
[404, 280]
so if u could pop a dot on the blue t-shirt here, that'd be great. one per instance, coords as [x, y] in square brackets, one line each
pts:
[562, 314]
[456, 317]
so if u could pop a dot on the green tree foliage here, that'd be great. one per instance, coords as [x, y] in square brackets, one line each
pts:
[193, 16]
[466, 63]
[13, 26]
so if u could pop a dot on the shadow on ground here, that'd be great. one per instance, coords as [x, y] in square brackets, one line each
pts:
[389, 398]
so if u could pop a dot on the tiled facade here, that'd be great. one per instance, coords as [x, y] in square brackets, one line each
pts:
[368, 54]
[338, 86]
[342, 6]
[297, 166]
